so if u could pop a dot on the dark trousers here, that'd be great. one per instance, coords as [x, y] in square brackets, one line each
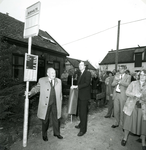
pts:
[110, 106]
[83, 112]
[51, 113]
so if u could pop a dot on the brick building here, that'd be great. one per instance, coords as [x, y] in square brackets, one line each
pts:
[13, 48]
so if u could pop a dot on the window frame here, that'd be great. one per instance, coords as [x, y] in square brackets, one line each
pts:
[17, 65]
[138, 64]
[57, 69]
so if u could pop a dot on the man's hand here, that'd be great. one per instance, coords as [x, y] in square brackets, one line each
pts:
[27, 93]
[74, 87]
[138, 95]
[111, 95]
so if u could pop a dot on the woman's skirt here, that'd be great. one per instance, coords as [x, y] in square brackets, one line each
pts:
[135, 122]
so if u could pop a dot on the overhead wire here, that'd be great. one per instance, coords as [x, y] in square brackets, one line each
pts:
[89, 36]
[133, 21]
[102, 31]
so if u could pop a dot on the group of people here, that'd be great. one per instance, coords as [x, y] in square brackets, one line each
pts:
[50, 100]
[126, 98]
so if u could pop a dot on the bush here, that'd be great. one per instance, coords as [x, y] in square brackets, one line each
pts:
[12, 102]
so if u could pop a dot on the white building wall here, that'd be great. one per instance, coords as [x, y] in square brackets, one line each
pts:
[144, 65]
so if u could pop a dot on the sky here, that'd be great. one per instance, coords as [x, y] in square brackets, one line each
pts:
[87, 29]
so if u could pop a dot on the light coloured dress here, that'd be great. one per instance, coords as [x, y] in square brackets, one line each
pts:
[135, 117]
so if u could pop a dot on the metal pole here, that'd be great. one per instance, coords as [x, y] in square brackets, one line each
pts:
[25, 124]
[29, 45]
[71, 118]
[71, 84]
[118, 35]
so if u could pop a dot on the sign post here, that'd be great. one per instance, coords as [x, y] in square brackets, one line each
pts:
[32, 16]
[31, 29]
[30, 69]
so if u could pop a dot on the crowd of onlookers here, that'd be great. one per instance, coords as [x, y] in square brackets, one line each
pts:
[125, 97]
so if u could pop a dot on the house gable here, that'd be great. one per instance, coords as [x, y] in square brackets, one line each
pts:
[12, 29]
[124, 55]
[13, 48]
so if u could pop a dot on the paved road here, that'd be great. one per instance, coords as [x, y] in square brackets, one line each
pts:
[100, 136]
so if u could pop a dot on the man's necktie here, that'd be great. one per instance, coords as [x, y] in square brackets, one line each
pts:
[51, 83]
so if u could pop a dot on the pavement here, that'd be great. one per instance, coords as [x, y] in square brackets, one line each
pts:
[100, 136]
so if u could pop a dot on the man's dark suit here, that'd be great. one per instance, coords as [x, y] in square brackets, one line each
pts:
[83, 96]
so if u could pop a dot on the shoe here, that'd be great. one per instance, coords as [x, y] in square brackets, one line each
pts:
[123, 142]
[45, 138]
[58, 136]
[77, 127]
[81, 133]
[106, 116]
[143, 147]
[114, 126]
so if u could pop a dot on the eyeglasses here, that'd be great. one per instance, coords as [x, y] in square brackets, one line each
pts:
[121, 68]
[144, 75]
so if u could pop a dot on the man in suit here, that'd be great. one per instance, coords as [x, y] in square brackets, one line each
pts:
[50, 102]
[84, 95]
[121, 82]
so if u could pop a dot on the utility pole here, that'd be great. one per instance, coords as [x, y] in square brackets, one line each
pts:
[116, 58]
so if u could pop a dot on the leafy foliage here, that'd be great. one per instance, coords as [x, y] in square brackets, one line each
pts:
[6, 66]
[12, 101]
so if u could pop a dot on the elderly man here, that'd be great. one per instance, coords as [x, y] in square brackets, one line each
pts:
[84, 94]
[121, 82]
[50, 102]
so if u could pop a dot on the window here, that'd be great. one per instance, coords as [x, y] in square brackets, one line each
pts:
[57, 68]
[18, 67]
[41, 68]
[138, 59]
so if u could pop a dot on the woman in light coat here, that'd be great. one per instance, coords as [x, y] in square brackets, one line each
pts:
[135, 109]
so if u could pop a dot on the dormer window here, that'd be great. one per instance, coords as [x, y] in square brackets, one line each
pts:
[47, 39]
[139, 57]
